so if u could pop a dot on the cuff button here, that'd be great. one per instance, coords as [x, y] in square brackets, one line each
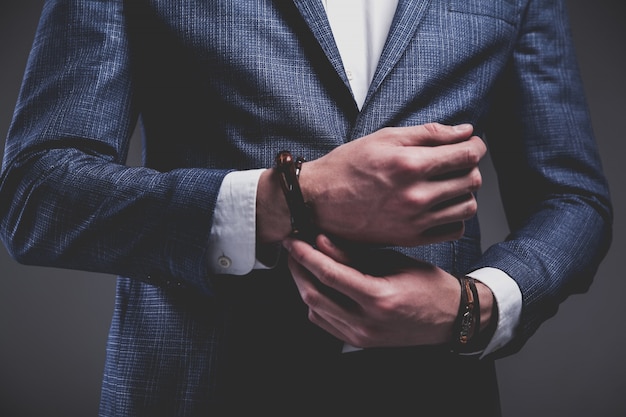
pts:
[224, 262]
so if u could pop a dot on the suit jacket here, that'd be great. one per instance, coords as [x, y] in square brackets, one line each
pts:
[223, 85]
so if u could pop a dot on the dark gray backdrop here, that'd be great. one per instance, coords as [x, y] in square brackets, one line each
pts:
[54, 323]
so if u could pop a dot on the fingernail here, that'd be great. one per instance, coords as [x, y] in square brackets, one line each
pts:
[463, 127]
[288, 244]
[326, 240]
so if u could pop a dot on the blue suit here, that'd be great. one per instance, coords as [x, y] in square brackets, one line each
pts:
[223, 85]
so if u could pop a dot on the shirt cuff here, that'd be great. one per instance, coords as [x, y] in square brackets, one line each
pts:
[508, 297]
[232, 242]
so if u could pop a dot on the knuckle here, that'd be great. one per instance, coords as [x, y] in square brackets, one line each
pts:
[389, 163]
[432, 128]
[384, 306]
[482, 146]
[390, 133]
[475, 151]
[471, 208]
[472, 155]
[313, 318]
[476, 179]
[311, 299]
[297, 255]
[327, 275]
[418, 199]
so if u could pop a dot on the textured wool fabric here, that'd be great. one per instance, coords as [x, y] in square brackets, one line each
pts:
[223, 85]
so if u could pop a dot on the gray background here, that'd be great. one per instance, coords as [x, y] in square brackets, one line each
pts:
[54, 323]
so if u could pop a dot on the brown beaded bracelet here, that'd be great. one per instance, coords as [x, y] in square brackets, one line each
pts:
[467, 323]
[300, 213]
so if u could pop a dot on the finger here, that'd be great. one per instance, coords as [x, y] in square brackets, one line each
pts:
[328, 247]
[331, 273]
[447, 222]
[431, 134]
[317, 295]
[444, 232]
[332, 311]
[450, 192]
[442, 162]
[338, 329]
[462, 207]
[305, 283]
[347, 331]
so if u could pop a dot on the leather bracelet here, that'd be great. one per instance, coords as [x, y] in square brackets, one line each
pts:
[467, 323]
[300, 213]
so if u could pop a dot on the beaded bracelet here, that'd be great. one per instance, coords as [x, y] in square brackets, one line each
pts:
[300, 213]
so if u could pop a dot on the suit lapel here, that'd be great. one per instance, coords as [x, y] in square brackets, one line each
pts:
[405, 22]
[314, 15]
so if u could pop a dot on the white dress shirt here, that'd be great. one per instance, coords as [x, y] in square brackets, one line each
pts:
[360, 29]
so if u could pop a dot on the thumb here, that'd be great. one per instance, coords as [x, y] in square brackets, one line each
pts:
[328, 248]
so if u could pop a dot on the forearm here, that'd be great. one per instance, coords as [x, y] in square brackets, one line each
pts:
[554, 193]
[550, 265]
[66, 208]
[66, 198]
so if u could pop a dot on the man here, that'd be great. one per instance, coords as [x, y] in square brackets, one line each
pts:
[386, 103]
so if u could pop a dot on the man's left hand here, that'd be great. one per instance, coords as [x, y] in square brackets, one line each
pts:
[415, 303]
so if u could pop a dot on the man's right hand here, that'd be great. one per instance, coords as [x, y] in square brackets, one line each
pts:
[398, 186]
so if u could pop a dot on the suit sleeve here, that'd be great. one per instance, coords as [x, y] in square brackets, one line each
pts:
[554, 193]
[66, 198]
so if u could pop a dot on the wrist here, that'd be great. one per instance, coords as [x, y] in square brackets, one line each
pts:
[307, 182]
[476, 318]
[488, 311]
[272, 212]
[289, 168]
[467, 322]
